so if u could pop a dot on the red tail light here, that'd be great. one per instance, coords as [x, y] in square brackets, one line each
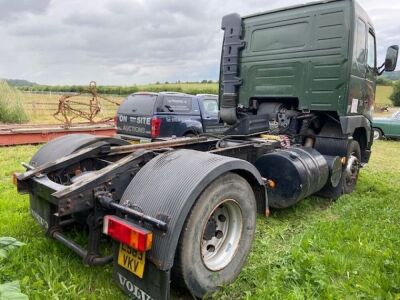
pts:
[115, 121]
[155, 127]
[127, 233]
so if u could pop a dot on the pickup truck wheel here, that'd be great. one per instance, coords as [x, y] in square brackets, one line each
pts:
[189, 134]
[378, 135]
[217, 236]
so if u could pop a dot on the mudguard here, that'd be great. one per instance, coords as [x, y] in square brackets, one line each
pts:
[166, 188]
[68, 144]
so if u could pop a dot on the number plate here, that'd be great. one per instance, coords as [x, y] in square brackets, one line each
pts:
[132, 260]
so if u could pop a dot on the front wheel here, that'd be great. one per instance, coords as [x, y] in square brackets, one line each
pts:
[350, 170]
[352, 167]
[217, 236]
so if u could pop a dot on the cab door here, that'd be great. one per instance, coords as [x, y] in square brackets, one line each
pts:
[358, 100]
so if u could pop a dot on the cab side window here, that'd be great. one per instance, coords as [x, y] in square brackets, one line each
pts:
[371, 61]
[360, 50]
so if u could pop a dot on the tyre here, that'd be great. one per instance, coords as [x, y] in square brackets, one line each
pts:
[189, 134]
[350, 172]
[352, 167]
[217, 236]
[378, 135]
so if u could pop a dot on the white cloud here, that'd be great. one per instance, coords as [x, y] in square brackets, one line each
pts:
[128, 41]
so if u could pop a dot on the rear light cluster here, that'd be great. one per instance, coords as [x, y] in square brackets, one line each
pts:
[127, 233]
[115, 121]
[155, 127]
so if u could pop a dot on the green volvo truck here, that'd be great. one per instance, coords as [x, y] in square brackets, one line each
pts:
[297, 88]
[317, 59]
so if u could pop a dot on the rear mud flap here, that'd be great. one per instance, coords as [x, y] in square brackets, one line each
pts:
[43, 212]
[155, 283]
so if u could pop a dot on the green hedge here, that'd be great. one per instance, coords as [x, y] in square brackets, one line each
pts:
[395, 96]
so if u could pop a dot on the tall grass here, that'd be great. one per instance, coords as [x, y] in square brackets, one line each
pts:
[11, 109]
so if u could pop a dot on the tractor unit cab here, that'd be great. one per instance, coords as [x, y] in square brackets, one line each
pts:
[310, 70]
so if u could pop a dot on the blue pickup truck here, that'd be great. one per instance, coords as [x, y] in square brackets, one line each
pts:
[148, 116]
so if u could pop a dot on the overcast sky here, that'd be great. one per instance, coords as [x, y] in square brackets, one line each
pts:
[134, 41]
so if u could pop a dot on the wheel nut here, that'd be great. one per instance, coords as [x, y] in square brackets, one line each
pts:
[219, 234]
[210, 248]
[221, 218]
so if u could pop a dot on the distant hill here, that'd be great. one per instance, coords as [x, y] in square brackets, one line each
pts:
[392, 75]
[19, 82]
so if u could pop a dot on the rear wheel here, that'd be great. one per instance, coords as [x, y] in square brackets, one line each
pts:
[217, 236]
[378, 135]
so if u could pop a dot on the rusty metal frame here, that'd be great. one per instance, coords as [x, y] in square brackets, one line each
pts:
[67, 110]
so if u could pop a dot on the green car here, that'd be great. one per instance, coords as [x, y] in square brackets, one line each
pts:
[387, 127]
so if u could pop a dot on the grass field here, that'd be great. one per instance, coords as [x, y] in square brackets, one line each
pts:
[348, 249]
[382, 95]
[41, 107]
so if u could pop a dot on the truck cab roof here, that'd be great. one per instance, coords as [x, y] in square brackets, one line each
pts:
[359, 10]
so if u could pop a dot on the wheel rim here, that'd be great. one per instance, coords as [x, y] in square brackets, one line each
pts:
[352, 170]
[376, 134]
[221, 235]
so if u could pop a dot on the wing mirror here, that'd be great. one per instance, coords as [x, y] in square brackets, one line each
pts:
[391, 60]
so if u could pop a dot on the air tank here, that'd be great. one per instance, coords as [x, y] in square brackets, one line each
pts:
[294, 174]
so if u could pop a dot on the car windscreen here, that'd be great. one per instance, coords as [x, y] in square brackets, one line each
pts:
[138, 105]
